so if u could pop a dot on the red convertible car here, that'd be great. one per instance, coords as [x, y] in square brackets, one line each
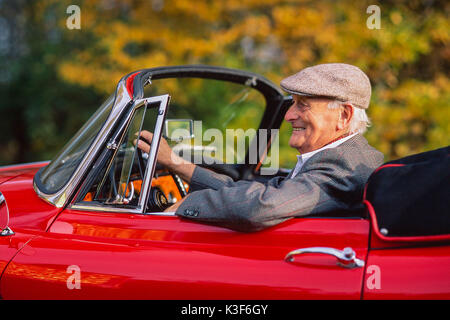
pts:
[91, 224]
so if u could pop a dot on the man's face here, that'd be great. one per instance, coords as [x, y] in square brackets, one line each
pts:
[313, 124]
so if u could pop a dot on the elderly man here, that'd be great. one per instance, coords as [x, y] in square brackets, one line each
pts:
[328, 119]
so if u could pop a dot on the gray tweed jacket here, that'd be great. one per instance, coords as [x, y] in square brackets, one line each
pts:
[331, 180]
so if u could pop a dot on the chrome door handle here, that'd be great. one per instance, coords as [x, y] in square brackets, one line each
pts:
[345, 258]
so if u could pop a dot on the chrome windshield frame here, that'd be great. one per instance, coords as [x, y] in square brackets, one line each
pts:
[151, 164]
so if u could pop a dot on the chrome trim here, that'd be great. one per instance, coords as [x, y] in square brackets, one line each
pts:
[346, 257]
[251, 82]
[112, 146]
[151, 163]
[102, 208]
[59, 199]
[180, 184]
[99, 208]
[165, 214]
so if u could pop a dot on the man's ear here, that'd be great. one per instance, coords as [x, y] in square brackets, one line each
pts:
[345, 116]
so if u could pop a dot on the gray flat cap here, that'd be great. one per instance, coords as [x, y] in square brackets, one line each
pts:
[338, 81]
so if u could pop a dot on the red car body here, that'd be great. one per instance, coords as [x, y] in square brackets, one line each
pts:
[65, 253]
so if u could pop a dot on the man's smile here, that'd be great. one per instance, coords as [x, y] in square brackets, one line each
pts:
[298, 129]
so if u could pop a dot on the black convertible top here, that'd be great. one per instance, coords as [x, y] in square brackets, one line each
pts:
[410, 197]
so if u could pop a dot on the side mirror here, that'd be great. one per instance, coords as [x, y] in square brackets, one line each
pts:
[4, 218]
[178, 130]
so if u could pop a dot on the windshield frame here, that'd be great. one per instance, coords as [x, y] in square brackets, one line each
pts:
[162, 102]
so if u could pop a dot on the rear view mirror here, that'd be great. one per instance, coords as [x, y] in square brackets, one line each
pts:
[178, 130]
[4, 218]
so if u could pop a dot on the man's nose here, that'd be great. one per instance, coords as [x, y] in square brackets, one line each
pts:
[291, 114]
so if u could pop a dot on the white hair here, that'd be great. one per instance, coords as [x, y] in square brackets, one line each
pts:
[359, 122]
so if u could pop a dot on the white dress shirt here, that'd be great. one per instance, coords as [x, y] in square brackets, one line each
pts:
[301, 159]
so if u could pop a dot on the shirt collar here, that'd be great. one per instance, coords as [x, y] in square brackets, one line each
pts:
[334, 144]
[302, 158]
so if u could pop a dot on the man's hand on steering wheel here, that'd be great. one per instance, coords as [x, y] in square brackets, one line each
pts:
[165, 153]
[177, 166]
[167, 157]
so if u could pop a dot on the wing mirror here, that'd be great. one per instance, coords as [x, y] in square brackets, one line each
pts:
[4, 218]
[178, 130]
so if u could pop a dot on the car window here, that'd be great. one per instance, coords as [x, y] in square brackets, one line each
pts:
[59, 171]
[226, 116]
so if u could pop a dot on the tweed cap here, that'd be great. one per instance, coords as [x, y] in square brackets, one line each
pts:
[338, 81]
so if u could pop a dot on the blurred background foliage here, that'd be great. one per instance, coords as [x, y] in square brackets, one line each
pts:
[52, 78]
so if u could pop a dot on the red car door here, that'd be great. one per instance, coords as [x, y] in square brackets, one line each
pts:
[408, 270]
[101, 255]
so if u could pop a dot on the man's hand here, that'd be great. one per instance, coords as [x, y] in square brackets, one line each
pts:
[165, 153]
[167, 157]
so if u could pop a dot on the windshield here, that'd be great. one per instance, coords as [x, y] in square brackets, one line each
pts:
[59, 171]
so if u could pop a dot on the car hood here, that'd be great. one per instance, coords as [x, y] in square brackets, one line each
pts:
[8, 175]
[26, 210]
[12, 171]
